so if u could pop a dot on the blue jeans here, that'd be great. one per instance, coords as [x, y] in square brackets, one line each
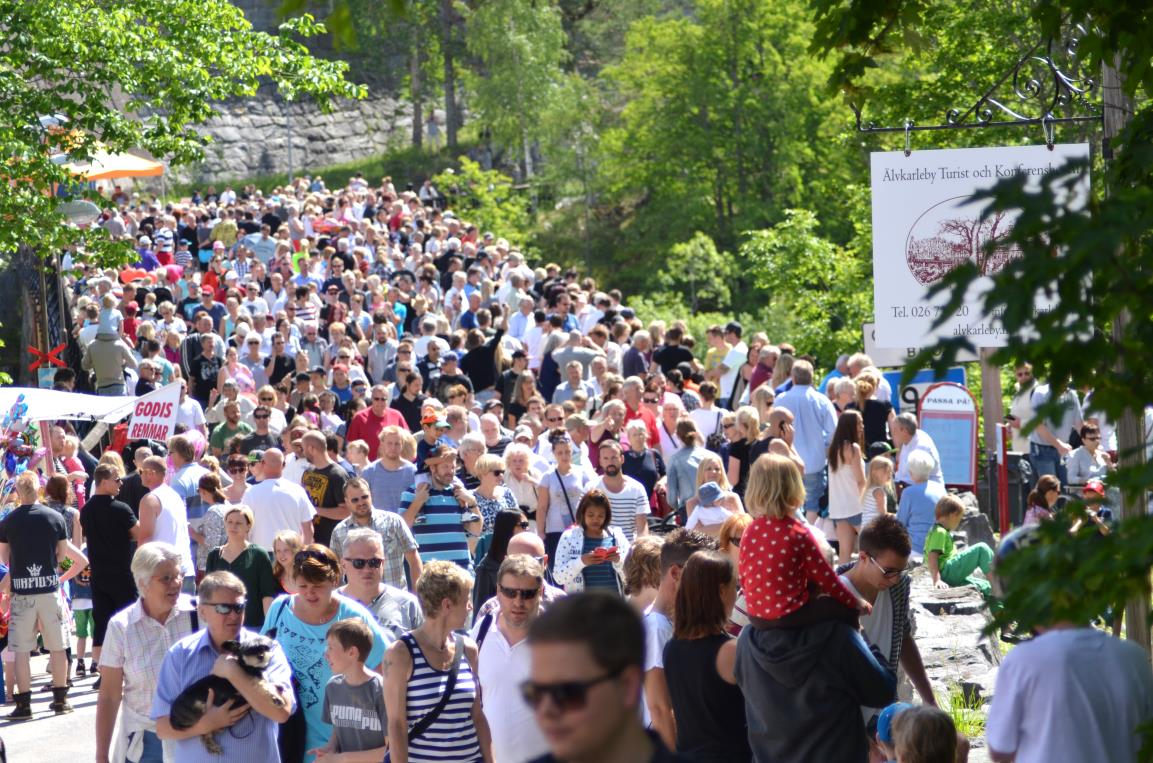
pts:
[153, 748]
[111, 390]
[815, 483]
[1045, 460]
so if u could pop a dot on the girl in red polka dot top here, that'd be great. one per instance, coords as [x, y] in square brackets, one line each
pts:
[780, 558]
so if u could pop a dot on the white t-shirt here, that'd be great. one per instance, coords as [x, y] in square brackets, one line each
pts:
[277, 504]
[707, 515]
[658, 632]
[1087, 709]
[190, 414]
[501, 668]
[707, 421]
[733, 361]
[631, 502]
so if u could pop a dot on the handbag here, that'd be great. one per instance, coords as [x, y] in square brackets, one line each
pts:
[290, 739]
[714, 441]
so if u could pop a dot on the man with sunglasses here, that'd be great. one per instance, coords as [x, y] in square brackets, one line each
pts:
[247, 731]
[503, 659]
[398, 543]
[369, 423]
[364, 563]
[261, 437]
[585, 677]
[111, 530]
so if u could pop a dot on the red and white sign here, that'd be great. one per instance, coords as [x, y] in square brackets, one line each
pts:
[154, 415]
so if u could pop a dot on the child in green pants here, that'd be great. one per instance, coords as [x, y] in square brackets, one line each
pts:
[950, 569]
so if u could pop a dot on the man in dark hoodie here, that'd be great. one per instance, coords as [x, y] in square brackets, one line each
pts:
[804, 689]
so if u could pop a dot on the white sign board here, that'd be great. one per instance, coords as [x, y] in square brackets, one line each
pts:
[154, 415]
[926, 223]
[887, 357]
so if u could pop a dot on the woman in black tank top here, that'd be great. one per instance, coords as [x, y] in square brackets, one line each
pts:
[698, 664]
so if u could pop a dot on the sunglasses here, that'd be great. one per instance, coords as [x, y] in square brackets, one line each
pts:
[567, 696]
[303, 556]
[650, 400]
[261, 416]
[360, 499]
[380, 400]
[225, 609]
[524, 594]
[498, 472]
[360, 564]
[237, 468]
[735, 540]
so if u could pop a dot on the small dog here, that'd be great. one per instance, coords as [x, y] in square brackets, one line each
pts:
[192, 703]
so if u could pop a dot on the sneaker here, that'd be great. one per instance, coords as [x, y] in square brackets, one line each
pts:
[81, 670]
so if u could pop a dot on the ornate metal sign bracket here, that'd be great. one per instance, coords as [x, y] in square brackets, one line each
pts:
[1047, 96]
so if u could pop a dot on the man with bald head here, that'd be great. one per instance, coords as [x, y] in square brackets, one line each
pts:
[278, 503]
[323, 480]
[523, 543]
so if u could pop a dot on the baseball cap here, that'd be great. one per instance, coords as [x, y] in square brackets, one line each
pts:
[451, 355]
[710, 493]
[494, 403]
[1093, 487]
[256, 456]
[145, 241]
[207, 290]
[340, 367]
[432, 418]
[885, 721]
[518, 354]
[217, 245]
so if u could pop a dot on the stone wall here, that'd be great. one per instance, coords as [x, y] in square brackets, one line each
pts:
[251, 137]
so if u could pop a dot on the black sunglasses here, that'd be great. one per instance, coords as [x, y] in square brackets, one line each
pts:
[570, 695]
[224, 609]
[524, 594]
[360, 564]
[303, 556]
[735, 540]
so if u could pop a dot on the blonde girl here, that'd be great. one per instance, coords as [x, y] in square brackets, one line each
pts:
[710, 469]
[748, 429]
[880, 484]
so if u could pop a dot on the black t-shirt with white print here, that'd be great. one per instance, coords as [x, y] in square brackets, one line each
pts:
[33, 533]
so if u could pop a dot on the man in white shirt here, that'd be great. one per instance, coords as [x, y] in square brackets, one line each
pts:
[278, 503]
[627, 496]
[503, 660]
[1071, 693]
[731, 365]
[908, 437]
[188, 412]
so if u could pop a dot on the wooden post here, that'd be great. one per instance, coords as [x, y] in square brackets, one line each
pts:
[1130, 437]
[992, 405]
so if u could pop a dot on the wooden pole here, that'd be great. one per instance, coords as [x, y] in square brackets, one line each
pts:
[1118, 109]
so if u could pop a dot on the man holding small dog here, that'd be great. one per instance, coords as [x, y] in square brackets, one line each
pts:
[247, 732]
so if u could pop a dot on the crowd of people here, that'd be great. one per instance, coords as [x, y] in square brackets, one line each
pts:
[466, 508]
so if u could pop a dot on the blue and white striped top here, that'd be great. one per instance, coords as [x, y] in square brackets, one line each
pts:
[452, 736]
[438, 529]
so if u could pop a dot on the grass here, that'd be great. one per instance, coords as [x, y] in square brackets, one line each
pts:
[968, 713]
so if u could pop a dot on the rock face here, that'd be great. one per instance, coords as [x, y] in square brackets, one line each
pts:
[252, 137]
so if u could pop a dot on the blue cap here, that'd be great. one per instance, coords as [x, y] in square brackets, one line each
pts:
[885, 721]
[709, 493]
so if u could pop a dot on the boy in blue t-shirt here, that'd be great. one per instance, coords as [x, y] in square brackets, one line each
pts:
[80, 591]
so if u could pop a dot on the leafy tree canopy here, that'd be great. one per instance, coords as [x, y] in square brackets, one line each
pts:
[80, 75]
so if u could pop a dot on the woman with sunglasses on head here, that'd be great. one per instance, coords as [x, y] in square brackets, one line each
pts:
[431, 691]
[505, 525]
[708, 706]
[247, 561]
[300, 622]
[590, 554]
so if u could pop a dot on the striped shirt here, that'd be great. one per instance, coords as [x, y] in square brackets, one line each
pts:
[452, 736]
[438, 529]
[631, 502]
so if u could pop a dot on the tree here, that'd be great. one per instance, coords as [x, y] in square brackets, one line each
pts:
[519, 49]
[80, 74]
[697, 270]
[1096, 260]
[818, 283]
[486, 198]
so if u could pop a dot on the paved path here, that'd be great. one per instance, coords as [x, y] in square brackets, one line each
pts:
[50, 738]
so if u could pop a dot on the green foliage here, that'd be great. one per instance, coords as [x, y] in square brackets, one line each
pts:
[519, 47]
[121, 75]
[1096, 260]
[487, 199]
[822, 286]
[967, 712]
[699, 273]
[668, 307]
